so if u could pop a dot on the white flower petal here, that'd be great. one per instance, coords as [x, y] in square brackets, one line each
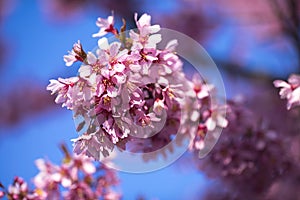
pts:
[294, 79]
[114, 48]
[154, 29]
[154, 39]
[65, 182]
[135, 68]
[210, 124]
[119, 67]
[221, 121]
[103, 43]
[91, 58]
[85, 71]
[88, 167]
[144, 20]
[280, 83]
[171, 46]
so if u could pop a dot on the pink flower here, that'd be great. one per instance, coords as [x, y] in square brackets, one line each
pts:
[67, 173]
[111, 53]
[198, 141]
[18, 187]
[108, 85]
[112, 195]
[144, 25]
[169, 60]
[77, 177]
[202, 90]
[92, 66]
[76, 54]
[106, 26]
[247, 149]
[216, 118]
[90, 145]
[146, 37]
[158, 106]
[70, 58]
[85, 164]
[290, 90]
[45, 178]
[63, 89]
[80, 191]
[19, 190]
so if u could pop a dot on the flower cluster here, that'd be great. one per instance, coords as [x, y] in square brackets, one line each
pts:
[131, 94]
[246, 149]
[18, 190]
[211, 115]
[76, 178]
[290, 90]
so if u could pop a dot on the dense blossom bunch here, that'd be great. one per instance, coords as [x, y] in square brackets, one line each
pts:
[76, 178]
[246, 149]
[211, 116]
[131, 94]
[290, 90]
[18, 190]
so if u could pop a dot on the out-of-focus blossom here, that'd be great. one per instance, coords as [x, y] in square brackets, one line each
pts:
[62, 9]
[290, 90]
[78, 177]
[276, 166]
[211, 116]
[202, 90]
[47, 180]
[193, 18]
[18, 190]
[22, 102]
[59, 10]
[216, 119]
[246, 149]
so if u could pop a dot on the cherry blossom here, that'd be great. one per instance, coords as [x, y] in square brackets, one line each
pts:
[64, 90]
[248, 148]
[146, 37]
[216, 118]
[77, 177]
[19, 190]
[106, 26]
[76, 54]
[132, 94]
[290, 90]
